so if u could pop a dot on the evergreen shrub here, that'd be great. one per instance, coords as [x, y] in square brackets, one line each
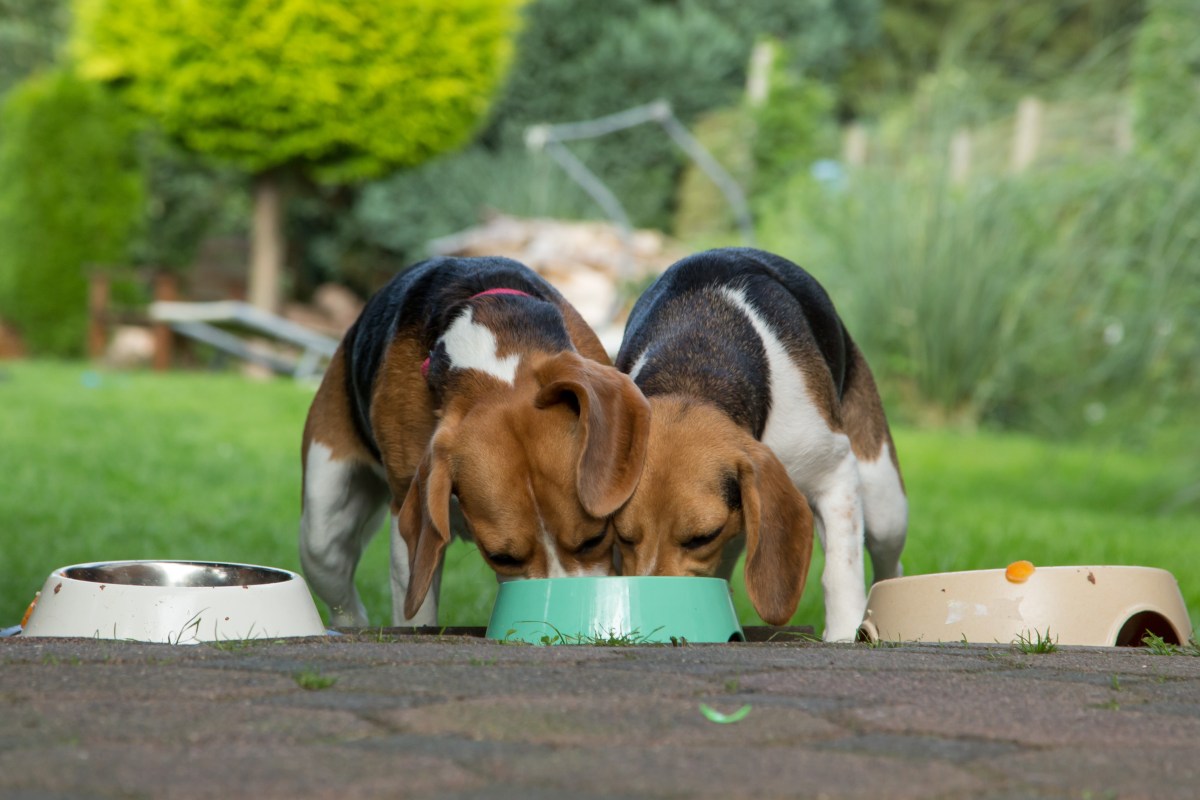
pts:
[71, 194]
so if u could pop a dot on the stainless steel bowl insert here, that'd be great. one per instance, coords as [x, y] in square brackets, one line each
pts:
[176, 573]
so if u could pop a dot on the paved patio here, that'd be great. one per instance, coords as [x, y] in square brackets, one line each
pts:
[460, 716]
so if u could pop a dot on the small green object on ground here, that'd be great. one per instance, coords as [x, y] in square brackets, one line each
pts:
[724, 719]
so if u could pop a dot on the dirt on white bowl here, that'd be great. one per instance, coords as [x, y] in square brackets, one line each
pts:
[1101, 606]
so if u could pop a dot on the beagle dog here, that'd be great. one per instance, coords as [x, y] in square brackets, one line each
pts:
[470, 377]
[763, 414]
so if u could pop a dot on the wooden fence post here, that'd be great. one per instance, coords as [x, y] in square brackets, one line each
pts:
[99, 293]
[1028, 133]
[758, 79]
[166, 289]
[1123, 128]
[854, 145]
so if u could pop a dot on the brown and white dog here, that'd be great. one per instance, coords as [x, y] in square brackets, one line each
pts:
[756, 391]
[470, 377]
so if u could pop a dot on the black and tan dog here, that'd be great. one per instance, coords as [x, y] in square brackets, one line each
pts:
[471, 377]
[763, 411]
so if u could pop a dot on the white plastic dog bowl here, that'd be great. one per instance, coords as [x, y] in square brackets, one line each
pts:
[1101, 606]
[176, 602]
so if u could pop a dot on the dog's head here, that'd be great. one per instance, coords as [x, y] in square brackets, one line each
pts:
[536, 470]
[707, 484]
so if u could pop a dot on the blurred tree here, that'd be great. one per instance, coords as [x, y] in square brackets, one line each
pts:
[820, 37]
[1166, 82]
[335, 90]
[185, 196]
[1008, 46]
[31, 32]
[793, 128]
[70, 195]
[578, 59]
[188, 197]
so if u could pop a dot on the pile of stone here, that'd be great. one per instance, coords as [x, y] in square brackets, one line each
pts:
[597, 269]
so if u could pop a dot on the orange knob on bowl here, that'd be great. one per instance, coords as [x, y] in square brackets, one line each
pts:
[29, 611]
[1019, 571]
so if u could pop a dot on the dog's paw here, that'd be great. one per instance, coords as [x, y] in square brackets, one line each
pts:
[843, 627]
[840, 636]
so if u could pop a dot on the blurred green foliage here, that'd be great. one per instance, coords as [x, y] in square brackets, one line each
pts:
[578, 60]
[70, 195]
[302, 96]
[1007, 48]
[344, 90]
[1057, 301]
[31, 34]
[793, 128]
[1166, 82]
[702, 212]
[187, 197]
[761, 145]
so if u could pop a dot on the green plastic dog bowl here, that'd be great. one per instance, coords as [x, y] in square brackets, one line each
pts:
[630, 610]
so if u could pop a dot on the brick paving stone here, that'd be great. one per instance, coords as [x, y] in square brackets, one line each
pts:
[460, 716]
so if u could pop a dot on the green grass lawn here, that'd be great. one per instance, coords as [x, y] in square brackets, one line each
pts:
[128, 465]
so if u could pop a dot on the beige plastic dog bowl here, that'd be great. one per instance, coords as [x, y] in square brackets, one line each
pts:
[1099, 606]
[176, 602]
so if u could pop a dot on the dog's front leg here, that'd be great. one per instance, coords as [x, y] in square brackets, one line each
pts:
[401, 575]
[839, 507]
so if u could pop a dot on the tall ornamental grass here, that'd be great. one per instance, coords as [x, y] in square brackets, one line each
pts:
[1055, 301]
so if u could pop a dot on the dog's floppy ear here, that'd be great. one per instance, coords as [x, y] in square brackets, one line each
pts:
[614, 427]
[424, 522]
[779, 535]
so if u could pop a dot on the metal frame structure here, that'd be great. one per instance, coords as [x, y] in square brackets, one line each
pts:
[550, 138]
[196, 321]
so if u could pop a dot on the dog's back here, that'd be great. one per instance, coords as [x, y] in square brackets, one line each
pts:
[700, 330]
[774, 285]
[759, 338]
[418, 305]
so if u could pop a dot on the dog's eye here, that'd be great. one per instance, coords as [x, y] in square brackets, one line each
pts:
[505, 560]
[592, 543]
[696, 542]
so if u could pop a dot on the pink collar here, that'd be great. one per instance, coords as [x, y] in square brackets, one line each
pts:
[425, 363]
[500, 291]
